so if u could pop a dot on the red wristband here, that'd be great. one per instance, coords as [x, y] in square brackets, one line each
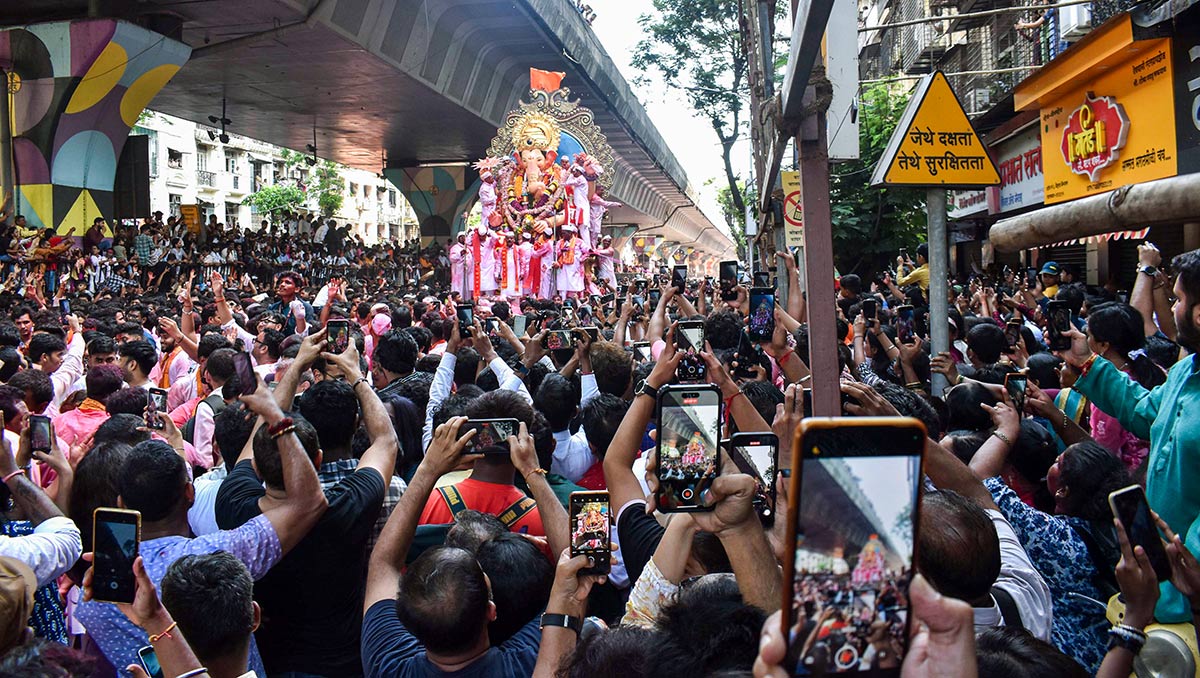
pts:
[785, 357]
[280, 425]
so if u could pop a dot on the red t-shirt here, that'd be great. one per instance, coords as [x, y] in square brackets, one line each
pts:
[491, 498]
[593, 478]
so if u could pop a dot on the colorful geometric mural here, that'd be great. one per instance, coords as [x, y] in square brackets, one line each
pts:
[438, 194]
[80, 86]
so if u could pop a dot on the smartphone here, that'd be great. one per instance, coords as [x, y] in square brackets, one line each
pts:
[727, 279]
[689, 435]
[869, 309]
[243, 369]
[591, 536]
[655, 295]
[1012, 332]
[115, 537]
[558, 339]
[757, 455]
[491, 326]
[762, 313]
[338, 335]
[1015, 384]
[852, 466]
[492, 436]
[519, 324]
[607, 300]
[904, 324]
[595, 299]
[639, 302]
[679, 277]
[689, 336]
[749, 355]
[592, 332]
[39, 433]
[156, 401]
[466, 320]
[762, 279]
[1059, 314]
[149, 662]
[64, 307]
[641, 350]
[1129, 506]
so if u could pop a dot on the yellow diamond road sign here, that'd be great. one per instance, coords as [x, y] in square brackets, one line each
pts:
[934, 144]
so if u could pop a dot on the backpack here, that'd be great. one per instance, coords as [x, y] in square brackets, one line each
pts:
[215, 402]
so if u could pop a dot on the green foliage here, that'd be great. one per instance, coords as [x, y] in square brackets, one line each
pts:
[870, 225]
[735, 219]
[276, 198]
[327, 186]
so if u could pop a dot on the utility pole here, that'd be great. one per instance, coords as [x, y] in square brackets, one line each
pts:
[7, 171]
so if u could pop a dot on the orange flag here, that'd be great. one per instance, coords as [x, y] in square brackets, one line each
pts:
[547, 81]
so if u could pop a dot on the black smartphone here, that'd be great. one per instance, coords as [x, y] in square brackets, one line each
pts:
[519, 324]
[689, 435]
[761, 324]
[1059, 324]
[641, 350]
[1031, 277]
[869, 309]
[607, 300]
[1012, 333]
[491, 326]
[689, 335]
[156, 401]
[1015, 384]
[679, 278]
[748, 356]
[904, 324]
[655, 296]
[593, 333]
[757, 455]
[492, 436]
[338, 335]
[835, 568]
[39, 433]
[727, 279]
[1130, 507]
[64, 307]
[761, 279]
[115, 537]
[149, 662]
[595, 299]
[639, 302]
[558, 339]
[466, 320]
[243, 369]
[591, 535]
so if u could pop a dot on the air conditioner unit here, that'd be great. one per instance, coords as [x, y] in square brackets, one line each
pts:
[1074, 22]
[978, 100]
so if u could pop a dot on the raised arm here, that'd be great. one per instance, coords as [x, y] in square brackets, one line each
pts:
[381, 455]
[554, 516]
[310, 348]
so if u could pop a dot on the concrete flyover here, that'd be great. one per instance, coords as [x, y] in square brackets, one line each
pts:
[424, 83]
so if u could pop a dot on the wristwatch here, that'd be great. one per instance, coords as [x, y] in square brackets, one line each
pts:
[564, 621]
[643, 388]
[1148, 270]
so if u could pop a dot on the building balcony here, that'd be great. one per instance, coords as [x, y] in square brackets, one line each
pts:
[206, 179]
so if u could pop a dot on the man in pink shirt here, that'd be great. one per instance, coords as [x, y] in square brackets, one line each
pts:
[81, 422]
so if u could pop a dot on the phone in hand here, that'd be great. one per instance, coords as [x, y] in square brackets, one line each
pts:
[762, 279]
[689, 339]
[861, 466]
[593, 333]
[1015, 384]
[338, 335]
[149, 661]
[491, 435]
[558, 339]
[519, 324]
[904, 324]
[591, 530]
[870, 308]
[727, 279]
[1012, 333]
[607, 300]
[39, 433]
[688, 442]
[641, 350]
[655, 296]
[466, 320]
[243, 369]
[1059, 325]
[1129, 505]
[491, 326]
[761, 324]
[156, 402]
[115, 537]
[757, 455]
[64, 307]
[679, 277]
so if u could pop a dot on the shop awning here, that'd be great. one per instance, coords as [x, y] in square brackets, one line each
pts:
[1130, 209]
[1104, 237]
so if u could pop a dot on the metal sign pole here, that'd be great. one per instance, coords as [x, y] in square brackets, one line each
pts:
[939, 296]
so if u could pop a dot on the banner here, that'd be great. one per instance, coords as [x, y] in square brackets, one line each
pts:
[793, 210]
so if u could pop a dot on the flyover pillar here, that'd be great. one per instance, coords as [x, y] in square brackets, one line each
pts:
[78, 88]
[439, 194]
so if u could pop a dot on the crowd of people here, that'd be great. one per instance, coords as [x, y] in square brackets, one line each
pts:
[328, 515]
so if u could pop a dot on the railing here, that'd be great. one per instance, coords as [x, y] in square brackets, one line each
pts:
[208, 179]
[1103, 10]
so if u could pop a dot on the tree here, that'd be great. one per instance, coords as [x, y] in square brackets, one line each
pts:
[276, 198]
[870, 225]
[327, 186]
[695, 46]
[735, 219]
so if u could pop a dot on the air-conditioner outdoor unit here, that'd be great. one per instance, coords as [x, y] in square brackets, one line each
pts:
[1074, 22]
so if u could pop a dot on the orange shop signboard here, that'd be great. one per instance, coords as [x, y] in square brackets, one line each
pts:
[1114, 130]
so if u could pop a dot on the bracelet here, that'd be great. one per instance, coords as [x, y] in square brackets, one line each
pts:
[913, 384]
[805, 378]
[12, 475]
[729, 400]
[564, 621]
[787, 355]
[537, 471]
[194, 672]
[1123, 635]
[1087, 365]
[361, 380]
[1003, 438]
[165, 634]
[280, 425]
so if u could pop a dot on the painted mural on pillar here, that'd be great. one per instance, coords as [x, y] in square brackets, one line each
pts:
[439, 195]
[80, 87]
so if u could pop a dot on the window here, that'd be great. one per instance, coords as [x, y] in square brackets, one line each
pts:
[202, 160]
[391, 198]
[353, 189]
[174, 159]
[231, 163]
[174, 200]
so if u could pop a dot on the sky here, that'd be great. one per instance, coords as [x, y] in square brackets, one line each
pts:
[689, 137]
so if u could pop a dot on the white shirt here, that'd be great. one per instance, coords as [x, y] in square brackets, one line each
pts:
[52, 549]
[65, 376]
[1019, 579]
[202, 516]
[572, 454]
